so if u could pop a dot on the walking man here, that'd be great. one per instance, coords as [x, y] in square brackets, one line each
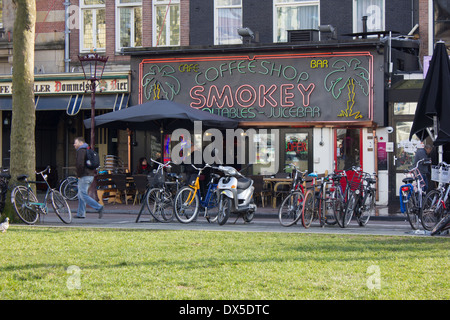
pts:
[85, 177]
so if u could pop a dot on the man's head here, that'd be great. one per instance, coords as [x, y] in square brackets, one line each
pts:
[78, 142]
[428, 148]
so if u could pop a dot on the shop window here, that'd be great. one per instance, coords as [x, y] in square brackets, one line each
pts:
[405, 150]
[373, 10]
[93, 22]
[166, 22]
[294, 15]
[405, 108]
[348, 144]
[442, 20]
[228, 18]
[296, 150]
[129, 23]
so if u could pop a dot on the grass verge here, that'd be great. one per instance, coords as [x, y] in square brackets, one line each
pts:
[66, 263]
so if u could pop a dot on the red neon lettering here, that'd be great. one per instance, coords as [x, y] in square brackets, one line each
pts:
[198, 98]
[285, 95]
[266, 95]
[245, 96]
[214, 97]
[306, 92]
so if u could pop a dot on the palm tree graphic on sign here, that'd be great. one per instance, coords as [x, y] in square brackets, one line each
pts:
[160, 83]
[346, 75]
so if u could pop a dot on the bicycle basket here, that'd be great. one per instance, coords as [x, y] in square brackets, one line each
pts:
[435, 173]
[156, 180]
[355, 180]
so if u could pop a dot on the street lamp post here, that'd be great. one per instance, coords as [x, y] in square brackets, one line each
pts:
[93, 66]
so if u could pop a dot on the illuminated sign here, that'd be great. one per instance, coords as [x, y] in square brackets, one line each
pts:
[300, 87]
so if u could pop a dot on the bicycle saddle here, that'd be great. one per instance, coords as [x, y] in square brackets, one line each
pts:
[5, 175]
[312, 174]
[22, 177]
[408, 180]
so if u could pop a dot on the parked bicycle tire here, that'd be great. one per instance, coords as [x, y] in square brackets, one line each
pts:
[338, 206]
[160, 205]
[367, 209]
[432, 211]
[327, 209]
[413, 216]
[61, 207]
[308, 209]
[442, 225]
[186, 207]
[70, 190]
[291, 209]
[350, 209]
[19, 197]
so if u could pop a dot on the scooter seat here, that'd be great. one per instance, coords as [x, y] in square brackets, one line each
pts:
[244, 183]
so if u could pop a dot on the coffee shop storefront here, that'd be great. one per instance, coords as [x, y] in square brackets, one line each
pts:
[316, 108]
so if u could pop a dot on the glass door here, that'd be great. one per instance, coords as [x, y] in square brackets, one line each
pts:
[348, 148]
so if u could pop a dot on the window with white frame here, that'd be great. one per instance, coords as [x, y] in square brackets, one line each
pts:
[227, 19]
[373, 10]
[129, 23]
[294, 15]
[166, 23]
[93, 25]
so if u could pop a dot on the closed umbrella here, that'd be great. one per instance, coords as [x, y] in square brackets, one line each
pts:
[433, 107]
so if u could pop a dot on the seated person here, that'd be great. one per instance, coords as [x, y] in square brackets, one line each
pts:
[143, 167]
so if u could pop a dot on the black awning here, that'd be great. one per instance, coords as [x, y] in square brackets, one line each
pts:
[73, 103]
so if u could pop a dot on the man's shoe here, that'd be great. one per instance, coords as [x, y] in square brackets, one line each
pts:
[100, 212]
[79, 217]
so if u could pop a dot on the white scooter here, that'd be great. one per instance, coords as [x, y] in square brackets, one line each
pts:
[235, 195]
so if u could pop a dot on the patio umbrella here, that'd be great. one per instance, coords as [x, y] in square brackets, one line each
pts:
[158, 114]
[433, 107]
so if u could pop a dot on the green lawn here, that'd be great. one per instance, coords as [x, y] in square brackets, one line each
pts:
[65, 263]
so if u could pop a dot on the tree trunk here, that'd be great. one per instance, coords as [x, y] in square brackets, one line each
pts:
[23, 150]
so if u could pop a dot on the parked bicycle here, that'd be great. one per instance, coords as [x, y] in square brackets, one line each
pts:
[291, 208]
[161, 194]
[189, 199]
[437, 202]
[318, 204]
[412, 195]
[27, 206]
[361, 203]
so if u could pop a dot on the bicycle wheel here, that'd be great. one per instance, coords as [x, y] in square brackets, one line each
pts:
[70, 190]
[291, 209]
[159, 204]
[367, 209]
[186, 205]
[442, 225]
[224, 210]
[61, 207]
[433, 210]
[327, 208]
[212, 210]
[338, 206]
[350, 209]
[20, 198]
[411, 211]
[308, 209]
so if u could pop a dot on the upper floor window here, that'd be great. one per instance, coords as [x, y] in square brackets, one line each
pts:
[93, 25]
[166, 23]
[294, 15]
[227, 19]
[129, 23]
[442, 21]
[373, 10]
